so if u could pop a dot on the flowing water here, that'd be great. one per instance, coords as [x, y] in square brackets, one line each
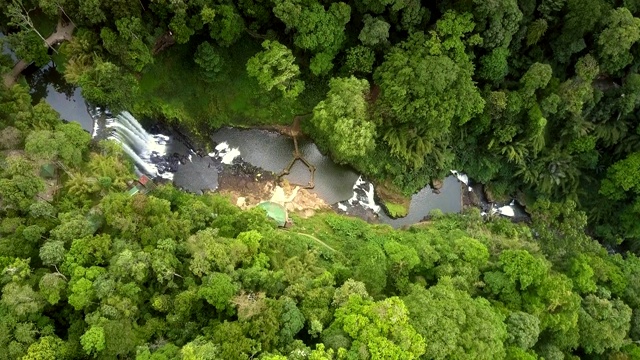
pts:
[273, 152]
[141, 146]
[48, 84]
[162, 156]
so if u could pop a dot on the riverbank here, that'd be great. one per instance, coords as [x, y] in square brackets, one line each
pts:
[64, 31]
[266, 153]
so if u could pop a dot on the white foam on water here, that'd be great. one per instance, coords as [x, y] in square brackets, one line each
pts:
[371, 203]
[138, 143]
[463, 178]
[222, 146]
[229, 156]
[166, 175]
[96, 128]
[368, 201]
[506, 211]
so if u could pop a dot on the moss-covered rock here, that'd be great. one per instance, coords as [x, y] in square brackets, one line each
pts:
[396, 210]
[392, 201]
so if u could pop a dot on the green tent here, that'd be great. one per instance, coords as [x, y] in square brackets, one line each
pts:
[275, 211]
[48, 171]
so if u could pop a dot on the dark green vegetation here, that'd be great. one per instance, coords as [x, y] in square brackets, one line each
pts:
[88, 271]
[536, 98]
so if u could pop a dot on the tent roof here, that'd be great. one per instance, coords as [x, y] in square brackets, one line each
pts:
[275, 211]
[134, 190]
[48, 170]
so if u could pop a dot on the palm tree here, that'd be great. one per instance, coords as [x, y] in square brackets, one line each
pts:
[515, 152]
[81, 185]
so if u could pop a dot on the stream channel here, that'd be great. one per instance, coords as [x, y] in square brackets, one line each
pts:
[160, 153]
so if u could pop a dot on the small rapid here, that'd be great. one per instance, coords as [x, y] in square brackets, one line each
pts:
[168, 156]
[146, 150]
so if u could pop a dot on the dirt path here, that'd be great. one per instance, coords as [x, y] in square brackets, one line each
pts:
[316, 239]
[63, 32]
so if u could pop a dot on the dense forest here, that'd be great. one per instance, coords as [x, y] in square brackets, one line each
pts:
[536, 99]
[89, 271]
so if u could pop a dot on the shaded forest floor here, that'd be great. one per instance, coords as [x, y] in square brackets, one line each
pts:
[173, 88]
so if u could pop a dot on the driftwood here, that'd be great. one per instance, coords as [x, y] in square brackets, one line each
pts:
[63, 32]
[163, 42]
[297, 156]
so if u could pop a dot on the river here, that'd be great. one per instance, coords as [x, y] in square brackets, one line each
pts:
[163, 154]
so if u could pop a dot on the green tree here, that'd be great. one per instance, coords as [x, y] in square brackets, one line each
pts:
[67, 143]
[292, 321]
[91, 11]
[275, 67]
[29, 46]
[317, 29]
[218, 290]
[498, 21]
[209, 61]
[342, 119]
[228, 25]
[21, 300]
[321, 63]
[379, 330]
[522, 329]
[494, 66]
[106, 83]
[603, 323]
[455, 325]
[19, 17]
[19, 185]
[128, 43]
[359, 59]
[615, 42]
[52, 287]
[420, 80]
[52, 252]
[200, 349]
[374, 32]
[93, 340]
[46, 348]
[580, 20]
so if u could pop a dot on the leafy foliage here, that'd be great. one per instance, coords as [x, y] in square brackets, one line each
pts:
[275, 67]
[343, 119]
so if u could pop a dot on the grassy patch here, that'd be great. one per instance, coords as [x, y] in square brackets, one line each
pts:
[396, 210]
[173, 88]
[392, 200]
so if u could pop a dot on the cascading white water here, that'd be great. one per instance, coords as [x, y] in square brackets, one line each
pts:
[138, 143]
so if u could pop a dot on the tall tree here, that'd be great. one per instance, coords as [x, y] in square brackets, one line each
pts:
[378, 329]
[615, 41]
[275, 67]
[342, 119]
[454, 325]
[128, 43]
[319, 30]
[374, 32]
[421, 80]
[603, 323]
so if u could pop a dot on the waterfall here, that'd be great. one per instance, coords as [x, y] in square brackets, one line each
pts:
[139, 144]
